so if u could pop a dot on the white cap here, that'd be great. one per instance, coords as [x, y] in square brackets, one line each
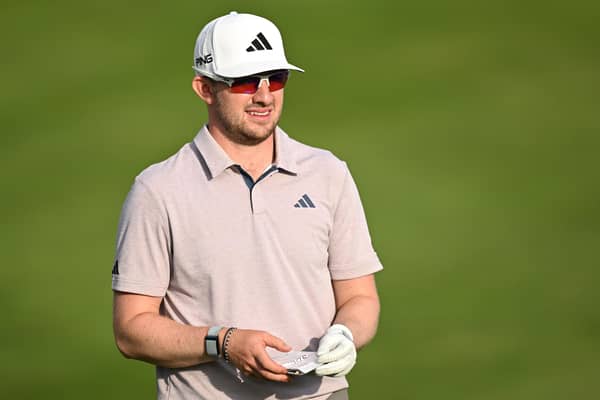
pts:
[237, 45]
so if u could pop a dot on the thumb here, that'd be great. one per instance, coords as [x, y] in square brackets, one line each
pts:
[277, 343]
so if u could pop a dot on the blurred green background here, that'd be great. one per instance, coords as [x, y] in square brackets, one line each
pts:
[469, 127]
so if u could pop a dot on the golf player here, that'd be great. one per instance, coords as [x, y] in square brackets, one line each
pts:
[245, 244]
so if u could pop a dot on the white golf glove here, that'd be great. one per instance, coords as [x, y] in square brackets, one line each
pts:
[336, 351]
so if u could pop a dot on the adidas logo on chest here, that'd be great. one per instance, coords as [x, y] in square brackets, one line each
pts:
[305, 202]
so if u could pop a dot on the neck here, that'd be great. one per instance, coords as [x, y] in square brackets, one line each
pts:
[254, 159]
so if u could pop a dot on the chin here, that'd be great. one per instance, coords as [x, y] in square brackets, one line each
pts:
[260, 132]
[256, 138]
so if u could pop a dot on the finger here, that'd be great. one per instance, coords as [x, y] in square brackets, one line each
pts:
[266, 363]
[275, 377]
[336, 367]
[346, 370]
[328, 343]
[343, 349]
[246, 370]
[277, 343]
[330, 368]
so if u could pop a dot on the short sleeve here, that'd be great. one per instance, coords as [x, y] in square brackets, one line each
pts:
[142, 261]
[351, 252]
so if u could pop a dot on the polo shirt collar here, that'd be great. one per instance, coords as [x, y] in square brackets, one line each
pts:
[285, 157]
[215, 157]
[218, 161]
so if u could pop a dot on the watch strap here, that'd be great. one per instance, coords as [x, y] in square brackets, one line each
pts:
[211, 341]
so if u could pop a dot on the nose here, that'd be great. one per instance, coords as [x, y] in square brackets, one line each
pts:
[263, 95]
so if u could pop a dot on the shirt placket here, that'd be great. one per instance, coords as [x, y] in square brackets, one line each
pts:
[257, 189]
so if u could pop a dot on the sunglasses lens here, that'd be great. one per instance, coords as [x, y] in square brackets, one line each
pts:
[250, 84]
[245, 85]
[277, 81]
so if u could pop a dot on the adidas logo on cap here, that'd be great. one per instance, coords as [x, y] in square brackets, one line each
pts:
[260, 43]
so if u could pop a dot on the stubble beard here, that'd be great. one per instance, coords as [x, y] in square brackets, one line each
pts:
[236, 130]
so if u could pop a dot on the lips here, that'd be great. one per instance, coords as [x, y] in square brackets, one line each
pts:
[259, 113]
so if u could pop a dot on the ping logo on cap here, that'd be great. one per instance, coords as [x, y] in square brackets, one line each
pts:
[260, 43]
[207, 59]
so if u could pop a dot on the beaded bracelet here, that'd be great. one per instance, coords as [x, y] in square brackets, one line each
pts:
[226, 343]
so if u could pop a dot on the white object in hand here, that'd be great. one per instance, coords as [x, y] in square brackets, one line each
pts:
[336, 352]
[297, 362]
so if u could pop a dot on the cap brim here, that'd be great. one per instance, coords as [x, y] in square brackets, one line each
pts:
[253, 69]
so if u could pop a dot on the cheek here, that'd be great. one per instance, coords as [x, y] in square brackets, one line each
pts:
[280, 106]
[232, 108]
[278, 102]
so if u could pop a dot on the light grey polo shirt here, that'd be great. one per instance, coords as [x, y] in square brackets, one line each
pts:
[224, 251]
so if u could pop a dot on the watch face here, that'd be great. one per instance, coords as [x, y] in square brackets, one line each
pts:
[211, 346]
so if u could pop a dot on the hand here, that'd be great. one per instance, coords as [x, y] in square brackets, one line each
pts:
[246, 351]
[336, 351]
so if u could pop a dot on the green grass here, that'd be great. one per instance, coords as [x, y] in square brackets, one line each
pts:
[471, 131]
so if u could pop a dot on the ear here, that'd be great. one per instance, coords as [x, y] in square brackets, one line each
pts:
[203, 88]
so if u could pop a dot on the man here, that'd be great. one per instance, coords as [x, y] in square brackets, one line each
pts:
[245, 243]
